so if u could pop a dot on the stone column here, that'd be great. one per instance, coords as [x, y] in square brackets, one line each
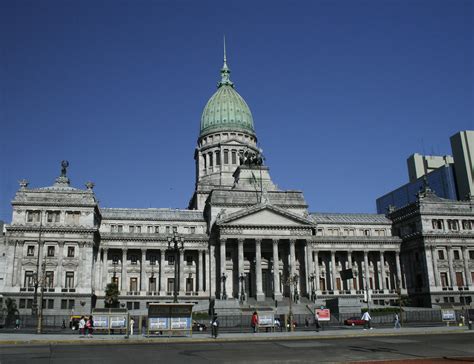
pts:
[333, 270]
[60, 264]
[382, 269]
[163, 289]
[207, 275]
[258, 270]
[142, 271]
[240, 262]
[399, 270]
[123, 278]
[105, 268]
[292, 257]
[276, 272]
[223, 267]
[316, 264]
[467, 271]
[350, 282]
[213, 274]
[366, 270]
[182, 276]
[452, 276]
[434, 260]
[199, 271]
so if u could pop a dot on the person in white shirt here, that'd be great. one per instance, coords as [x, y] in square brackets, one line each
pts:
[366, 318]
[82, 325]
[132, 322]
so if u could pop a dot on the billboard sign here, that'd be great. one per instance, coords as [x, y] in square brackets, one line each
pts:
[448, 315]
[323, 314]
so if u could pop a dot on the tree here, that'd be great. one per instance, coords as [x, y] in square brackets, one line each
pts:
[10, 311]
[111, 295]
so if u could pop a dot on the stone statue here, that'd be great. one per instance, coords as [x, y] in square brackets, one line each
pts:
[64, 165]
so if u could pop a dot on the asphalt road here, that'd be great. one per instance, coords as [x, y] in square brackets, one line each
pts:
[449, 346]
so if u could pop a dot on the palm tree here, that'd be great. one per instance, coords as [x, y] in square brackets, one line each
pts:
[111, 295]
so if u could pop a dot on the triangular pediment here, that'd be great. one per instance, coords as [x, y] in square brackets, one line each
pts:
[264, 215]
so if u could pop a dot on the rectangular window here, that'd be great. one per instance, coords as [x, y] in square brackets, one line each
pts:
[50, 304]
[467, 225]
[175, 229]
[157, 229]
[70, 304]
[53, 216]
[50, 251]
[70, 252]
[471, 254]
[30, 250]
[120, 228]
[456, 254]
[113, 228]
[131, 229]
[22, 303]
[133, 284]
[29, 278]
[153, 259]
[226, 156]
[149, 229]
[136, 305]
[444, 279]
[459, 279]
[218, 158]
[211, 161]
[367, 232]
[29, 303]
[138, 229]
[437, 224]
[49, 279]
[134, 259]
[170, 285]
[72, 217]
[69, 280]
[170, 259]
[167, 229]
[33, 216]
[152, 285]
[63, 304]
[441, 254]
[234, 157]
[129, 306]
[453, 225]
[193, 230]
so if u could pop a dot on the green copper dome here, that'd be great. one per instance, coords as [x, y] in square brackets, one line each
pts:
[226, 109]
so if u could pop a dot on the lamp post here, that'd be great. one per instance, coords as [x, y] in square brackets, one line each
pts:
[224, 292]
[41, 282]
[34, 307]
[292, 281]
[114, 264]
[175, 245]
[242, 287]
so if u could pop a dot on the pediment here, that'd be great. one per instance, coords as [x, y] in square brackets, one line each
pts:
[264, 215]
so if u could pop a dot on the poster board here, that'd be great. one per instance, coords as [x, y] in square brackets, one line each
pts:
[448, 315]
[323, 314]
[169, 318]
[101, 322]
[266, 319]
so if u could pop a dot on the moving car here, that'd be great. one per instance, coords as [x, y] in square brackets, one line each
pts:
[354, 321]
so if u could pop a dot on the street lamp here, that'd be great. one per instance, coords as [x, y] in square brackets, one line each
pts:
[312, 277]
[41, 282]
[224, 293]
[292, 281]
[114, 264]
[175, 245]
[242, 287]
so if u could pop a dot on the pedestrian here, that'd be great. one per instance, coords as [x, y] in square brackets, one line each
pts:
[90, 327]
[316, 322]
[17, 323]
[63, 326]
[306, 322]
[397, 321]
[214, 326]
[254, 322]
[82, 326]
[366, 318]
[132, 322]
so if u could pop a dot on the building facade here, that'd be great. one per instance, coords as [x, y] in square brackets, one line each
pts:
[242, 240]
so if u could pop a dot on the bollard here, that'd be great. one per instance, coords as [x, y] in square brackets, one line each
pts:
[469, 323]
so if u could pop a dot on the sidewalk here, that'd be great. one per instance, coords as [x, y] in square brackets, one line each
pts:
[28, 338]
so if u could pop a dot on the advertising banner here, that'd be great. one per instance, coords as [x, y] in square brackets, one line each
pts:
[118, 322]
[323, 314]
[158, 323]
[266, 319]
[180, 323]
[448, 315]
[101, 322]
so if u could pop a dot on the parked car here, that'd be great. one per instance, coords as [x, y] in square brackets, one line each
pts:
[354, 321]
[199, 326]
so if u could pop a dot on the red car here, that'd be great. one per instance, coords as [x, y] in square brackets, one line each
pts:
[354, 321]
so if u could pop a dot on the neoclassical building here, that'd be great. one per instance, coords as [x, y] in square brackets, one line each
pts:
[242, 240]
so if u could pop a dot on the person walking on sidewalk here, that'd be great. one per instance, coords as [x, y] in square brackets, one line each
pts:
[82, 326]
[397, 321]
[254, 322]
[132, 323]
[366, 318]
[90, 327]
[214, 327]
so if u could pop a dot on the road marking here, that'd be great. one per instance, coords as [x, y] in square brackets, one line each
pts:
[304, 344]
[394, 341]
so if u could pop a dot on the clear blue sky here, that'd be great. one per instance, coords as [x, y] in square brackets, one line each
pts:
[341, 92]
